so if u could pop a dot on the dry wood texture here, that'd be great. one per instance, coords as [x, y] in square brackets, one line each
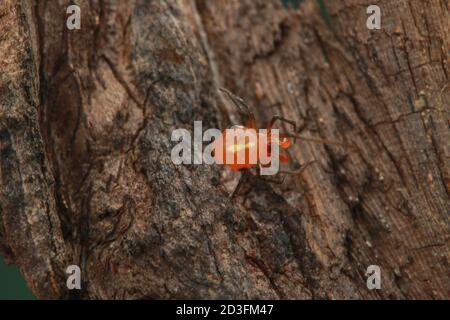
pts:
[86, 176]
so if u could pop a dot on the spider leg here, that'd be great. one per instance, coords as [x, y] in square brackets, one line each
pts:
[298, 171]
[285, 173]
[318, 140]
[280, 118]
[242, 182]
[297, 129]
[240, 104]
[275, 181]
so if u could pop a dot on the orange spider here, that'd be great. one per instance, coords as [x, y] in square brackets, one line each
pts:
[246, 140]
[241, 142]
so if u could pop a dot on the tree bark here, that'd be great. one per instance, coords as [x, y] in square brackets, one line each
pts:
[86, 175]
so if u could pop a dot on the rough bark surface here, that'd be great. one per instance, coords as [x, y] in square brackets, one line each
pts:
[86, 175]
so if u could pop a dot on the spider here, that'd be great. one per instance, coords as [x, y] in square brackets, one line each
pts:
[246, 147]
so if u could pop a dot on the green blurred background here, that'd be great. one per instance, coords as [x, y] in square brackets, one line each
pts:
[12, 285]
[295, 4]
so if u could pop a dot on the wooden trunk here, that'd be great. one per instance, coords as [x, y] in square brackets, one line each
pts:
[86, 176]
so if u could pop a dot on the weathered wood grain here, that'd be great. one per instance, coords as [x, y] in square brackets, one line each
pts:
[86, 176]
